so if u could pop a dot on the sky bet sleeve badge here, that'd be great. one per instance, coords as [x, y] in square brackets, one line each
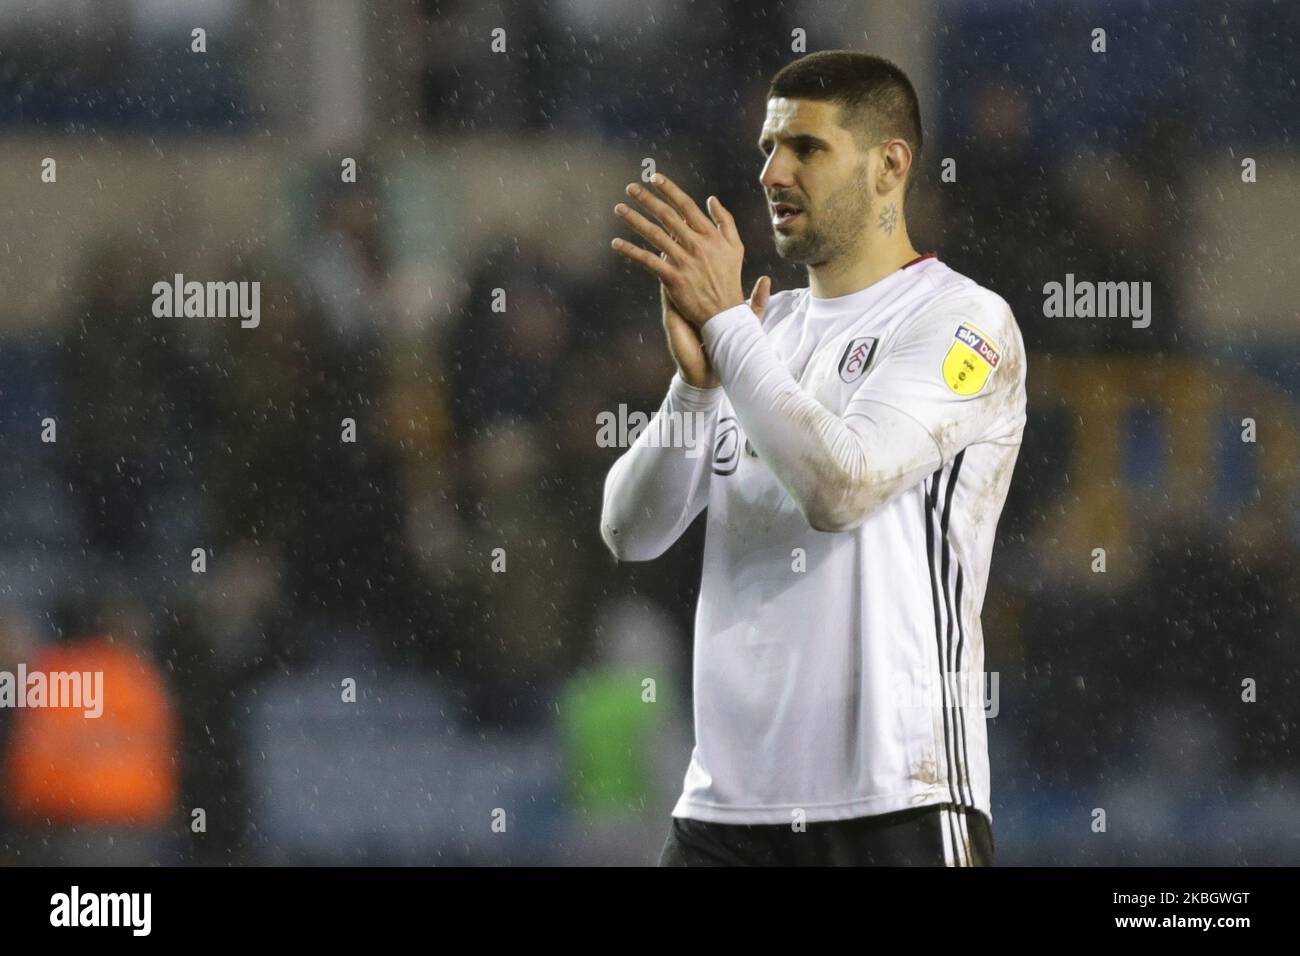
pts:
[970, 361]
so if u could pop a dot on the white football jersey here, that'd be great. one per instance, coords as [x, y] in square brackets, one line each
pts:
[838, 673]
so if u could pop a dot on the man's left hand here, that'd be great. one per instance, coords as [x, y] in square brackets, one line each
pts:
[702, 256]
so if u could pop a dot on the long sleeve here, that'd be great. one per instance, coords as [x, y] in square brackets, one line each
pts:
[658, 487]
[910, 415]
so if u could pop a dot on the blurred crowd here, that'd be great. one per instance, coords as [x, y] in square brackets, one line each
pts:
[447, 560]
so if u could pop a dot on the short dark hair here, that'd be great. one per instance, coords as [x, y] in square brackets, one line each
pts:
[875, 97]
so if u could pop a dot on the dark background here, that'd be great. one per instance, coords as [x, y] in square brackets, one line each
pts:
[520, 691]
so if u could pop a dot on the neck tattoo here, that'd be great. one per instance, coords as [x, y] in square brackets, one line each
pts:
[889, 219]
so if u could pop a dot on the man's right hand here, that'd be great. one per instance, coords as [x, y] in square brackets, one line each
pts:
[684, 340]
[686, 346]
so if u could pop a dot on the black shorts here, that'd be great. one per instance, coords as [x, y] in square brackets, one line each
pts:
[939, 835]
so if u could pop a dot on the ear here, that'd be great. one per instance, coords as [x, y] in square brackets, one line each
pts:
[896, 164]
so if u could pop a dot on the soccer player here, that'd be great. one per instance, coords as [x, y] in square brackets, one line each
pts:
[863, 432]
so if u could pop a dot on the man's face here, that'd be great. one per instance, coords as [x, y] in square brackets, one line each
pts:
[816, 180]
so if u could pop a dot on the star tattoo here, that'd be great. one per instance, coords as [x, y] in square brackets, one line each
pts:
[889, 219]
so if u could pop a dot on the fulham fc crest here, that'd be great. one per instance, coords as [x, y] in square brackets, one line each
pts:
[856, 358]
